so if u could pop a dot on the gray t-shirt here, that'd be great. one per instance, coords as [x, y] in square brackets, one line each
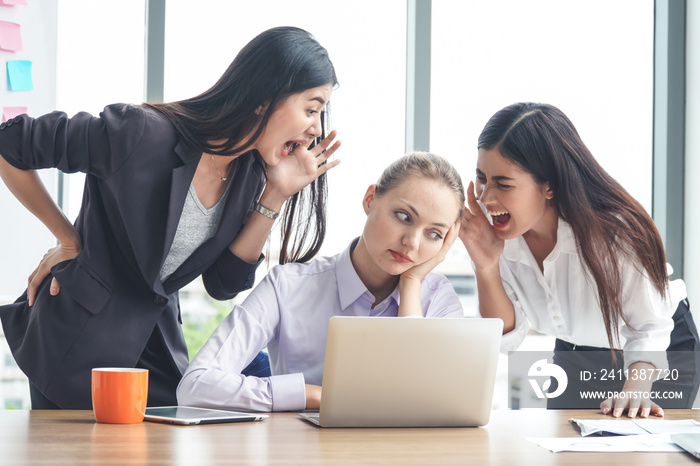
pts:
[197, 225]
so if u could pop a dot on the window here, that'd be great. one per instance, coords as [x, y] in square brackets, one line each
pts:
[100, 61]
[593, 60]
[10, 361]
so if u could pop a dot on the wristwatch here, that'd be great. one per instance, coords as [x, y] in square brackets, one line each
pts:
[265, 211]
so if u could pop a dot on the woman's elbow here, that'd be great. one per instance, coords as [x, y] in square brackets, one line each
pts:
[187, 391]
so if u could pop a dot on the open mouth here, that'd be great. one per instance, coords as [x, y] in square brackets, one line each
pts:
[500, 219]
[289, 147]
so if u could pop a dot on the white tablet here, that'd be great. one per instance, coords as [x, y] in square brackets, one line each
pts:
[186, 415]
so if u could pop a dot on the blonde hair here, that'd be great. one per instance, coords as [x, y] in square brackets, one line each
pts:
[424, 165]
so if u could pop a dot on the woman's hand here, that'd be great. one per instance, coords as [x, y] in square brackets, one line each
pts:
[54, 255]
[410, 280]
[634, 396]
[301, 167]
[289, 176]
[313, 396]
[419, 271]
[31, 192]
[477, 234]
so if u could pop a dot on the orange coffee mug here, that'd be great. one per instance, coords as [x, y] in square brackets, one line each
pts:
[119, 394]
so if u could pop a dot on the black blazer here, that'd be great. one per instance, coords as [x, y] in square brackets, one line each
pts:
[138, 173]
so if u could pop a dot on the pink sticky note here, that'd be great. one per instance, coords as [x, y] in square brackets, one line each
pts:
[9, 113]
[10, 38]
[12, 2]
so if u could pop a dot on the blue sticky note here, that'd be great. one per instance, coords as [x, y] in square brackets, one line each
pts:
[19, 75]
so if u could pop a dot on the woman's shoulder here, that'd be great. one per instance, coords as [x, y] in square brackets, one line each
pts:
[435, 281]
[297, 278]
[130, 123]
[124, 125]
[121, 114]
[125, 116]
[296, 274]
[316, 266]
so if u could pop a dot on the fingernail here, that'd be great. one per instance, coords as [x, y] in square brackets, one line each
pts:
[617, 413]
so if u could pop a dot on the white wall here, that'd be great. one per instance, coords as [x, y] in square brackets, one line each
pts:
[692, 156]
[23, 240]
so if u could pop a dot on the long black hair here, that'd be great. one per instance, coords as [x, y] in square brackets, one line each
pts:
[607, 222]
[226, 119]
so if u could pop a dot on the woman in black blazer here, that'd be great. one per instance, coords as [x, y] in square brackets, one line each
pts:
[103, 296]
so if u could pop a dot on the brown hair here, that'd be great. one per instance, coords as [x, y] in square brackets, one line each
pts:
[425, 165]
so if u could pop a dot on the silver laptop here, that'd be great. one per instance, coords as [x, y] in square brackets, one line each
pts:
[408, 372]
[689, 442]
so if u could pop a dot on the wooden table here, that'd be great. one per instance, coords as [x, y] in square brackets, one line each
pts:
[73, 437]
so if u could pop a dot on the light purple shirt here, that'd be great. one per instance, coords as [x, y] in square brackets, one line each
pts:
[288, 312]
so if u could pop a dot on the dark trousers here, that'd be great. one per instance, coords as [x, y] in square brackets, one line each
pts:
[585, 367]
[163, 374]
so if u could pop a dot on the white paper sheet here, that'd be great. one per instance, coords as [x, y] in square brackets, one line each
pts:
[637, 426]
[624, 443]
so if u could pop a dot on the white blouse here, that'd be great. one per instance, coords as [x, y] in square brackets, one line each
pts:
[562, 301]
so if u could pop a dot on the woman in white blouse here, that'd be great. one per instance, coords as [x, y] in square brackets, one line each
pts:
[558, 245]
